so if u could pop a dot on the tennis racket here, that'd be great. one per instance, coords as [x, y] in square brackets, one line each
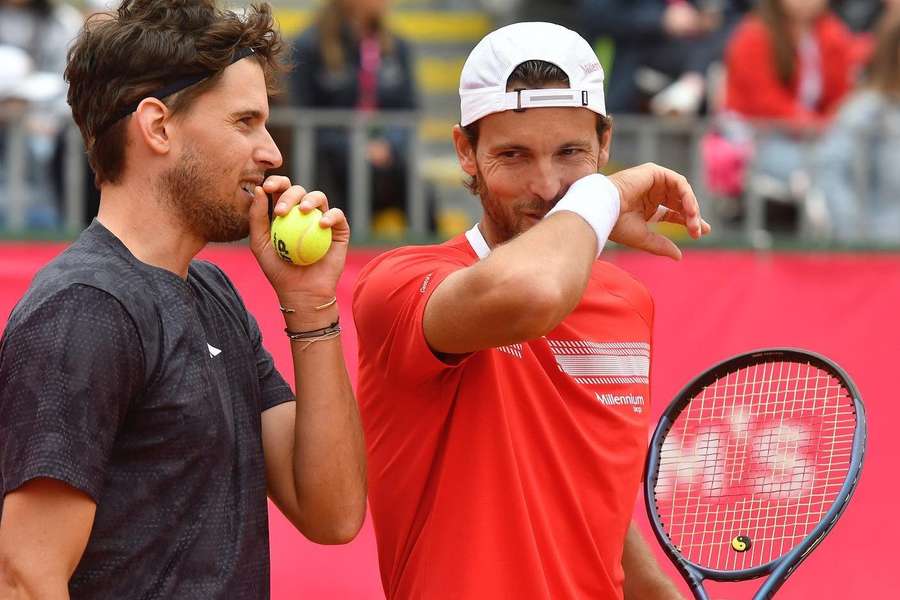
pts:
[752, 465]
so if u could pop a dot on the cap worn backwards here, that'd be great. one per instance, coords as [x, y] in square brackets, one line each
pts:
[482, 85]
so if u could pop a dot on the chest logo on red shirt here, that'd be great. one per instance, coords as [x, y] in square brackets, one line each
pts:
[635, 401]
[603, 362]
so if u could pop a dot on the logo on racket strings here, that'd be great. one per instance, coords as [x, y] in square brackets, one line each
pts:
[740, 543]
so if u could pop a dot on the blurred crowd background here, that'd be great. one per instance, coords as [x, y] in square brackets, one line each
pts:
[784, 114]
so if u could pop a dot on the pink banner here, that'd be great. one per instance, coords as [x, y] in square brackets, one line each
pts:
[711, 305]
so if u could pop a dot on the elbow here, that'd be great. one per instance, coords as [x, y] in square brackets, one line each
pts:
[7, 578]
[547, 307]
[12, 584]
[333, 524]
[336, 531]
[537, 308]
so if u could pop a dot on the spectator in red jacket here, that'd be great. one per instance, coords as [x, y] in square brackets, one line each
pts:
[790, 62]
[790, 59]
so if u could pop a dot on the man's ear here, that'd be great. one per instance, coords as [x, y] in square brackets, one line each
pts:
[464, 152]
[151, 118]
[605, 141]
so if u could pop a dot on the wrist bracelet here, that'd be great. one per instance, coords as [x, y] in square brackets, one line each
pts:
[310, 341]
[596, 200]
[314, 333]
[288, 311]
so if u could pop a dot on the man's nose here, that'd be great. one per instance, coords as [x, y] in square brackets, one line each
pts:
[545, 182]
[268, 153]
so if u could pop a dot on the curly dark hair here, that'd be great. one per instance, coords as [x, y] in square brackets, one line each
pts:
[120, 58]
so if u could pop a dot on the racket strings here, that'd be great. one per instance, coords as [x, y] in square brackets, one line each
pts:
[761, 453]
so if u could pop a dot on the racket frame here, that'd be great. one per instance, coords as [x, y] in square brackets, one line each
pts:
[780, 568]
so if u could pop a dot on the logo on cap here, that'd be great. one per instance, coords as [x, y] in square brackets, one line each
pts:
[589, 68]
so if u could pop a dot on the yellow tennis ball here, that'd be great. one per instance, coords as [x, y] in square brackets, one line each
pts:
[298, 238]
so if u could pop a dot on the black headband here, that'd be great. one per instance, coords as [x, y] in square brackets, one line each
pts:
[171, 88]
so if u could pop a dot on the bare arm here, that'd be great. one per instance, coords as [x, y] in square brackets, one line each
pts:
[43, 533]
[318, 441]
[521, 291]
[644, 580]
[313, 448]
[527, 286]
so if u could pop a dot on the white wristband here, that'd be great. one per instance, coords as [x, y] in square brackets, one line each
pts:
[596, 200]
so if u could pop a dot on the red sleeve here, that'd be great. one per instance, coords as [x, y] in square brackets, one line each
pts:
[752, 85]
[389, 305]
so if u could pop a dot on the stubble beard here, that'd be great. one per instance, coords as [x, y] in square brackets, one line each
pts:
[190, 189]
[508, 220]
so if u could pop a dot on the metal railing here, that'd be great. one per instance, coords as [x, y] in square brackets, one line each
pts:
[637, 139]
[305, 122]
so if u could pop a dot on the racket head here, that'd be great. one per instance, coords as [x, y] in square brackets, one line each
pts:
[709, 466]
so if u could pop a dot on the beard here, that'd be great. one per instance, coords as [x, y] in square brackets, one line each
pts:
[509, 219]
[193, 190]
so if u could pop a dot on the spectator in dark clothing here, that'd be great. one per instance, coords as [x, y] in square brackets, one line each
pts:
[861, 16]
[679, 39]
[856, 161]
[43, 30]
[349, 59]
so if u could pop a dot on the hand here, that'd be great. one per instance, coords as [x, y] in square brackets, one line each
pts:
[297, 287]
[682, 20]
[642, 191]
[379, 153]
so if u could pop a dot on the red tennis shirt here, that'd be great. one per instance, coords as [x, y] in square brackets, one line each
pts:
[514, 473]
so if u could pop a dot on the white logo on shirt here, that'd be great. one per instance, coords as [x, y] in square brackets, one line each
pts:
[425, 283]
[635, 401]
[213, 351]
[603, 363]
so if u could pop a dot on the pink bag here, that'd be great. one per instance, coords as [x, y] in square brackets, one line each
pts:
[725, 163]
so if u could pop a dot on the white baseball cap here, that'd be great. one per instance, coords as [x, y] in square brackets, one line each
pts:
[482, 85]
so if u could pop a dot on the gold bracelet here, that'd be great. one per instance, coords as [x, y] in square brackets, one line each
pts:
[327, 304]
[288, 311]
[311, 341]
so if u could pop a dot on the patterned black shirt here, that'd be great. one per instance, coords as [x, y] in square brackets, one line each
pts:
[144, 390]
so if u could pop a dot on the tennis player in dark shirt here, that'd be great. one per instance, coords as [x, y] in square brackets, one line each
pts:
[142, 422]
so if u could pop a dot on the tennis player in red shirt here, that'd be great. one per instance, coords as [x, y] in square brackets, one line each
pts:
[504, 375]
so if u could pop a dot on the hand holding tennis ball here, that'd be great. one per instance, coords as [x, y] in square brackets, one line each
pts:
[298, 238]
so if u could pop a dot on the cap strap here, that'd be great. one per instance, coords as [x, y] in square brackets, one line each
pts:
[522, 99]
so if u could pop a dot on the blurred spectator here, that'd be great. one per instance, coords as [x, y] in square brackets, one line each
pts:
[349, 59]
[40, 28]
[92, 9]
[789, 65]
[39, 31]
[861, 15]
[678, 39]
[790, 60]
[858, 162]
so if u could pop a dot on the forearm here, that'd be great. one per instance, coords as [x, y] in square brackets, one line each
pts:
[328, 459]
[523, 290]
[644, 580]
[554, 257]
